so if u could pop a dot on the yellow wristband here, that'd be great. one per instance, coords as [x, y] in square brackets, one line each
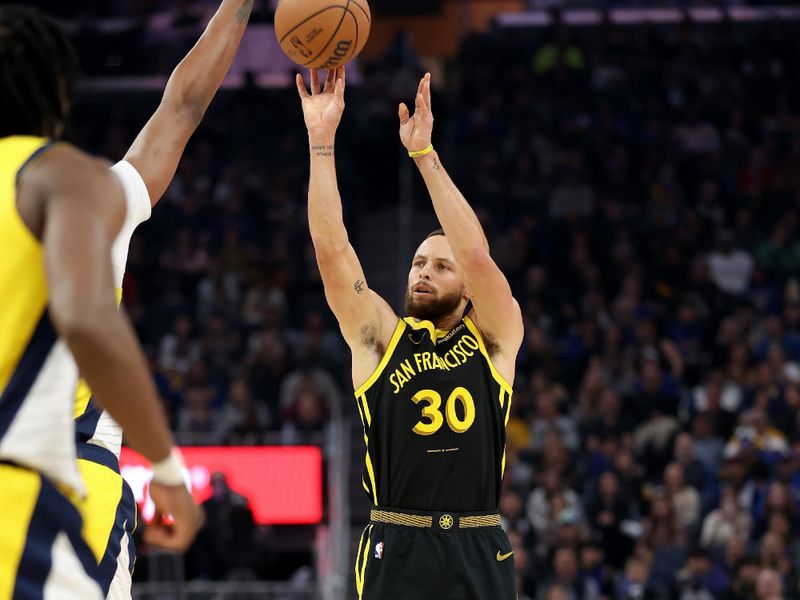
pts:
[422, 152]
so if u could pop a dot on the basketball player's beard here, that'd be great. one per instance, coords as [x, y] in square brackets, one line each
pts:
[432, 310]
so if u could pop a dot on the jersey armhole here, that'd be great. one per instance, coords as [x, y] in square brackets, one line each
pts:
[495, 373]
[32, 158]
[398, 331]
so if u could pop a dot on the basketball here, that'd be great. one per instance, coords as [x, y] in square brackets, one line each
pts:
[322, 34]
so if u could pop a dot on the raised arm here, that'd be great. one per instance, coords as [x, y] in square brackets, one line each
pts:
[495, 311]
[75, 205]
[159, 146]
[365, 319]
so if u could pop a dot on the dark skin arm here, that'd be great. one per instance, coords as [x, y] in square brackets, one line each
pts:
[74, 205]
[158, 148]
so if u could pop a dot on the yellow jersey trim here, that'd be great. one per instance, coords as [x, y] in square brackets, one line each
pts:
[365, 407]
[371, 473]
[363, 555]
[398, 331]
[436, 334]
[498, 378]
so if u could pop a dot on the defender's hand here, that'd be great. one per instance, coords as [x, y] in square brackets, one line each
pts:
[416, 131]
[323, 110]
[173, 500]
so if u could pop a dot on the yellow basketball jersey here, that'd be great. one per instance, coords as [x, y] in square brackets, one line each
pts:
[37, 373]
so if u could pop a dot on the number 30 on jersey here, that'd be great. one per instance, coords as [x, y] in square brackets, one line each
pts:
[432, 417]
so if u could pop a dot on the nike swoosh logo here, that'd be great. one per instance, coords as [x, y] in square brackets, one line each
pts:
[502, 557]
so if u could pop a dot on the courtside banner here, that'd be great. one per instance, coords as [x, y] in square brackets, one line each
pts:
[282, 483]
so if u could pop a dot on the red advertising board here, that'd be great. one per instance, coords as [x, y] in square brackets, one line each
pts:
[282, 483]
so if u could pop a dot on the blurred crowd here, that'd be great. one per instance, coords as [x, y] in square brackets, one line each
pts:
[641, 190]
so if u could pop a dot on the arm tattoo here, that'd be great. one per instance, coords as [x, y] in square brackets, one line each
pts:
[244, 12]
[435, 164]
[358, 286]
[323, 150]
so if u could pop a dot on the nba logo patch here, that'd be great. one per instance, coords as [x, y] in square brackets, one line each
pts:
[379, 550]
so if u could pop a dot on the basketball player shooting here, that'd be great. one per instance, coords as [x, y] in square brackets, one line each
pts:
[433, 388]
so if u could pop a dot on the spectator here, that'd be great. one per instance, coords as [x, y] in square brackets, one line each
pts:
[607, 515]
[545, 504]
[567, 577]
[662, 527]
[730, 268]
[548, 419]
[632, 584]
[700, 579]
[227, 541]
[769, 585]
[725, 523]
[685, 499]
[242, 421]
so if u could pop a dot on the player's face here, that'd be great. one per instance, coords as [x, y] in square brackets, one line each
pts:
[435, 283]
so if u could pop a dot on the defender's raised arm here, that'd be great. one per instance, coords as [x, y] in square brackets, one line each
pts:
[159, 146]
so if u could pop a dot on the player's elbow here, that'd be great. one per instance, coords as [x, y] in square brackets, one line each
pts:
[187, 102]
[81, 320]
[476, 258]
[328, 249]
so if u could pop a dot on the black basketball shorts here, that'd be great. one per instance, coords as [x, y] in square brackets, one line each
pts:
[418, 555]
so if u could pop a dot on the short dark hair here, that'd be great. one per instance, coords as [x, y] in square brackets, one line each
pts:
[434, 233]
[38, 65]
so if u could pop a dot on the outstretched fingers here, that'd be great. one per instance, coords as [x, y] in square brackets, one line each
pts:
[403, 114]
[426, 91]
[330, 81]
[301, 87]
[314, 82]
[340, 83]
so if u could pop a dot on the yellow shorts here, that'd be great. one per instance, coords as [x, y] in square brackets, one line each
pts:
[42, 553]
[109, 519]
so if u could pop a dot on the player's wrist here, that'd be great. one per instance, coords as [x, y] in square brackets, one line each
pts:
[420, 152]
[169, 471]
[321, 138]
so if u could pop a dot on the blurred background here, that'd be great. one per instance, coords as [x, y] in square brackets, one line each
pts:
[636, 166]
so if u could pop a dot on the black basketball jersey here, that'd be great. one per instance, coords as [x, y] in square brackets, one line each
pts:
[434, 415]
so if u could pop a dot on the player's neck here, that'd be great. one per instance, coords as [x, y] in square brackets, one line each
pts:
[447, 322]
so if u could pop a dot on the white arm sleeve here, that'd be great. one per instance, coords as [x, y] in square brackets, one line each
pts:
[138, 211]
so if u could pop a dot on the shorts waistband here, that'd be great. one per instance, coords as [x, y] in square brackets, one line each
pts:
[436, 520]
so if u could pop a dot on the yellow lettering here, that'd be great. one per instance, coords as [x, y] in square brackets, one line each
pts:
[447, 358]
[457, 350]
[426, 360]
[469, 341]
[430, 411]
[418, 360]
[401, 378]
[392, 380]
[463, 397]
[408, 370]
